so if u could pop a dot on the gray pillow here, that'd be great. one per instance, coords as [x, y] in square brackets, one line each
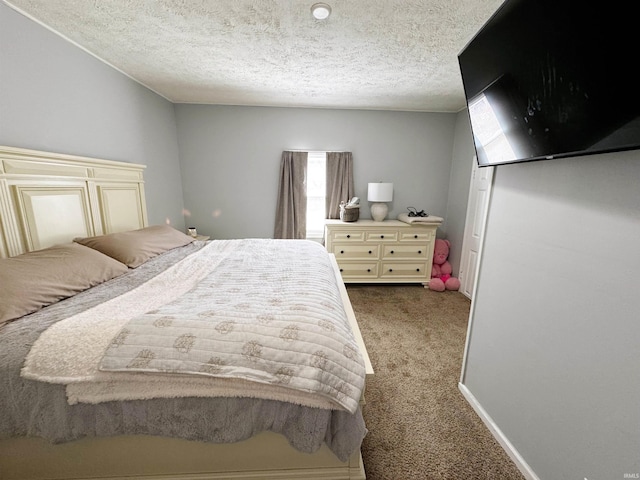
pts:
[135, 247]
[36, 279]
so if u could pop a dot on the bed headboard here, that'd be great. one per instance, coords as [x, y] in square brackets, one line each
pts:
[50, 198]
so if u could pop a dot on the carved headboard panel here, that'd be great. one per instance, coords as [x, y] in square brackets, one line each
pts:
[49, 198]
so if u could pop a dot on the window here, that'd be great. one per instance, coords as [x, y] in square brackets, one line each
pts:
[312, 185]
[316, 194]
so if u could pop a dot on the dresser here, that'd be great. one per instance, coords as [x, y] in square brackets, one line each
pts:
[382, 252]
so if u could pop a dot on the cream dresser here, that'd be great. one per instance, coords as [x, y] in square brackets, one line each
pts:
[382, 252]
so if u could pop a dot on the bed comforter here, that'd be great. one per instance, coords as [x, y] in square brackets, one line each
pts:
[263, 312]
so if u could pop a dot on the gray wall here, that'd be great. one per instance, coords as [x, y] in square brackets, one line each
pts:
[554, 356]
[230, 159]
[55, 97]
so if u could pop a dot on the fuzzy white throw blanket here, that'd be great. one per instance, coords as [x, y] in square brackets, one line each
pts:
[70, 352]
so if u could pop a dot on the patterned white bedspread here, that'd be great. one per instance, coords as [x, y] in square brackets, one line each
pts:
[267, 321]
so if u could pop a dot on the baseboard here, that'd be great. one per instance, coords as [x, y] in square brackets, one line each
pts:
[504, 442]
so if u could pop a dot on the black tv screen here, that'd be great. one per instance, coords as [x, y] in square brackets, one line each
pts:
[547, 79]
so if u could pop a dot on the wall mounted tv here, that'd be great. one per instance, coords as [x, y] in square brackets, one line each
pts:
[547, 79]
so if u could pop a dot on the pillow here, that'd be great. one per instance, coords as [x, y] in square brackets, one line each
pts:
[135, 247]
[36, 279]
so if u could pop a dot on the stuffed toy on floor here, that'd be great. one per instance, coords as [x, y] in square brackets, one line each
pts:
[441, 278]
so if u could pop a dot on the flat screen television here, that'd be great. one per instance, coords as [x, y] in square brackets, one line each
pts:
[546, 79]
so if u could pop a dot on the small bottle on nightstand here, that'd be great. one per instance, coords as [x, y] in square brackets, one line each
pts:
[194, 233]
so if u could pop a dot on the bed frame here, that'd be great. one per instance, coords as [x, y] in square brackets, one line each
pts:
[48, 198]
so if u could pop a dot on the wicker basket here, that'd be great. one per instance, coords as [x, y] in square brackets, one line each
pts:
[349, 214]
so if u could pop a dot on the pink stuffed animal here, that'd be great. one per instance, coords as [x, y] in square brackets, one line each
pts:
[441, 278]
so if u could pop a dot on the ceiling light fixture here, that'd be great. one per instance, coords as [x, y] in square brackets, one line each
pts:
[320, 11]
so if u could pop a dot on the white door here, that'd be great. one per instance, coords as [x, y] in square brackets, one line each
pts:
[479, 192]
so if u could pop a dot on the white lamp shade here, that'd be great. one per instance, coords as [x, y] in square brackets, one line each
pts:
[380, 192]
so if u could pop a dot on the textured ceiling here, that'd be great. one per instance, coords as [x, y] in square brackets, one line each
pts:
[376, 54]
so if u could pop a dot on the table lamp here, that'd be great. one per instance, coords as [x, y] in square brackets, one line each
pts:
[379, 193]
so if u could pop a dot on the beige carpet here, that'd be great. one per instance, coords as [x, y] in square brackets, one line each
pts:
[420, 425]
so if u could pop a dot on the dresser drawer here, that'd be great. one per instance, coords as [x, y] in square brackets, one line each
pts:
[404, 251]
[416, 236]
[360, 251]
[381, 236]
[405, 270]
[355, 270]
[343, 236]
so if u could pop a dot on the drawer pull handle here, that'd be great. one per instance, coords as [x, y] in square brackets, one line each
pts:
[368, 270]
[381, 236]
[419, 251]
[391, 269]
[415, 236]
[348, 236]
[370, 252]
[417, 269]
[391, 252]
[341, 270]
[341, 251]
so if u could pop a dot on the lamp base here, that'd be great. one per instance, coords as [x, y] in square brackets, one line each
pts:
[379, 211]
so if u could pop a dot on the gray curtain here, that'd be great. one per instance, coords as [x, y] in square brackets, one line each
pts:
[339, 181]
[291, 213]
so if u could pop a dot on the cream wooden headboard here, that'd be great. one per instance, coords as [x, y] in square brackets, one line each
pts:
[49, 198]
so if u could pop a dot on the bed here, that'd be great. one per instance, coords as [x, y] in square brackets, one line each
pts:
[166, 415]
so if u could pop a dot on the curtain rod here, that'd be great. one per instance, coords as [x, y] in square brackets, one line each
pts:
[314, 151]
